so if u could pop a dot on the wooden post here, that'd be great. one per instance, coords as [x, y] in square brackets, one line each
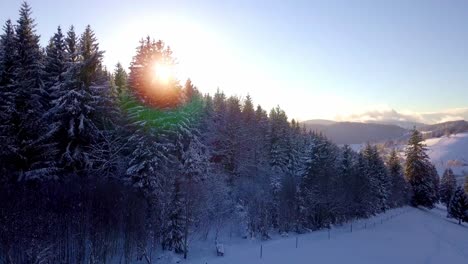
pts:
[351, 227]
[329, 233]
[261, 251]
[297, 240]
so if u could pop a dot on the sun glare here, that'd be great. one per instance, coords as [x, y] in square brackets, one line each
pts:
[163, 73]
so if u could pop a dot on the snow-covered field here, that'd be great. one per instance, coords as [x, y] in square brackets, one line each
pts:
[449, 152]
[406, 235]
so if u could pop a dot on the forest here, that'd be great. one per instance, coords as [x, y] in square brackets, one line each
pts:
[100, 164]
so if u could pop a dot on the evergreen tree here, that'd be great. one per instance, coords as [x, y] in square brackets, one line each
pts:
[89, 49]
[7, 103]
[81, 103]
[55, 61]
[364, 192]
[448, 185]
[7, 54]
[71, 45]
[378, 178]
[34, 155]
[420, 172]
[399, 189]
[162, 95]
[318, 204]
[120, 79]
[175, 228]
[458, 206]
[71, 112]
[349, 181]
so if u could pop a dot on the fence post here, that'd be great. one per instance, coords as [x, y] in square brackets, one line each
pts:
[261, 251]
[365, 225]
[297, 241]
[328, 233]
[351, 227]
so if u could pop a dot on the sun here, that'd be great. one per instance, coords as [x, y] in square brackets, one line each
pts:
[163, 73]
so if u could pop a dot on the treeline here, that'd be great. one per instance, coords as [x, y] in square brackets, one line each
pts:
[96, 168]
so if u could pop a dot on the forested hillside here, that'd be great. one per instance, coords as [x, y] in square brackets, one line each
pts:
[99, 166]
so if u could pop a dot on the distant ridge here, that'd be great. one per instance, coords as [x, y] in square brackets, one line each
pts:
[356, 133]
[373, 132]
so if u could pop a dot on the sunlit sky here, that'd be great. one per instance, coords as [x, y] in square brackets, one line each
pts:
[316, 59]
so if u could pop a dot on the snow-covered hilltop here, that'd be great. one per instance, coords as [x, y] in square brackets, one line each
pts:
[404, 235]
[449, 152]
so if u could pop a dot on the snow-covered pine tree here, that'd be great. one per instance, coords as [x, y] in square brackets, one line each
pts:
[71, 45]
[363, 193]
[174, 235]
[71, 113]
[318, 184]
[419, 172]
[288, 211]
[81, 102]
[232, 138]
[7, 54]
[150, 53]
[7, 103]
[89, 48]
[34, 154]
[279, 136]
[262, 139]
[448, 184]
[194, 168]
[399, 188]
[55, 60]
[349, 185]
[248, 131]
[378, 178]
[458, 206]
[120, 79]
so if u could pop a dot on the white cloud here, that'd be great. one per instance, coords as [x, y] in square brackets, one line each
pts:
[386, 114]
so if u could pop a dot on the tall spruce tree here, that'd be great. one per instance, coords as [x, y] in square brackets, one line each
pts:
[349, 184]
[34, 154]
[399, 188]
[173, 239]
[120, 79]
[55, 61]
[379, 179]
[318, 183]
[448, 184]
[7, 99]
[420, 172]
[71, 45]
[79, 103]
[458, 206]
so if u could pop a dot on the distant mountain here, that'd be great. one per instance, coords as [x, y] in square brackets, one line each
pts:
[446, 128]
[403, 124]
[318, 122]
[356, 133]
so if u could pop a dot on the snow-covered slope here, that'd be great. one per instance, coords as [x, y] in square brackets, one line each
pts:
[449, 151]
[406, 235]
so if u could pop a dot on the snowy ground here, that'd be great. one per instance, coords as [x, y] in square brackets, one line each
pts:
[449, 151]
[406, 235]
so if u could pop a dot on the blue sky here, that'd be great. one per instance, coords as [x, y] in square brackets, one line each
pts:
[316, 59]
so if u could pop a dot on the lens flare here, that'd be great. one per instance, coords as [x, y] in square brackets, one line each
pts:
[155, 98]
[163, 73]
